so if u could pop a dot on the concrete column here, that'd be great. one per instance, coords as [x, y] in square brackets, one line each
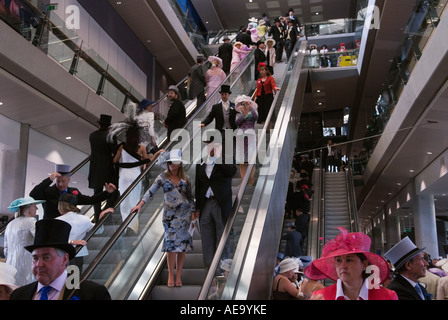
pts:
[377, 240]
[425, 223]
[13, 164]
[393, 231]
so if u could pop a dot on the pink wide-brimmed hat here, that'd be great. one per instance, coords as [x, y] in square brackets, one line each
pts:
[343, 244]
[215, 59]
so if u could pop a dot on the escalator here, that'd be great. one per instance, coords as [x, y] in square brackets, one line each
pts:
[333, 205]
[133, 267]
[109, 235]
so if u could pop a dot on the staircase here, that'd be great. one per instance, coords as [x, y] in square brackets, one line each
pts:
[336, 204]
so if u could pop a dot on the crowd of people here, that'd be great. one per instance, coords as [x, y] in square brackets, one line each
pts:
[405, 272]
[38, 251]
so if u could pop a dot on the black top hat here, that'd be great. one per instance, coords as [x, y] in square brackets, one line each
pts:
[53, 233]
[105, 119]
[225, 89]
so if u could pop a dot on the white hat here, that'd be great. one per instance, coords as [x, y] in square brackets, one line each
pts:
[253, 19]
[7, 274]
[270, 40]
[243, 98]
[288, 264]
[402, 252]
[442, 264]
[171, 156]
[226, 264]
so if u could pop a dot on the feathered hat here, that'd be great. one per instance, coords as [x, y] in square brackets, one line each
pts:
[118, 130]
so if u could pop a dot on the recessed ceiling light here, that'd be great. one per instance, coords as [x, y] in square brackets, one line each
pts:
[1, 103]
[429, 152]
[317, 90]
[118, 2]
[411, 170]
[170, 68]
[68, 138]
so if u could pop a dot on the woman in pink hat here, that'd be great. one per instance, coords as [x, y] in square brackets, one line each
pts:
[214, 77]
[358, 272]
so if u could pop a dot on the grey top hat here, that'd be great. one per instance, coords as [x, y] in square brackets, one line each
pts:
[402, 252]
[63, 169]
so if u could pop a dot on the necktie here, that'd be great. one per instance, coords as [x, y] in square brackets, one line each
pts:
[44, 292]
[419, 290]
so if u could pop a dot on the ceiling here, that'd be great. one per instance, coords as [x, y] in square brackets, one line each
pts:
[231, 14]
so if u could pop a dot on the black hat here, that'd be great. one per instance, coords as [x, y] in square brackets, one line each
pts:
[225, 89]
[105, 119]
[69, 198]
[53, 233]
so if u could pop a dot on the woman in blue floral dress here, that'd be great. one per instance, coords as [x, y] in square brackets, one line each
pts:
[177, 214]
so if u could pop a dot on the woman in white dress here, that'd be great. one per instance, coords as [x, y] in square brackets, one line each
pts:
[80, 224]
[18, 234]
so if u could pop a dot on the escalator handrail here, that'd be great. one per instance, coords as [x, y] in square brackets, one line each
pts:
[131, 216]
[228, 228]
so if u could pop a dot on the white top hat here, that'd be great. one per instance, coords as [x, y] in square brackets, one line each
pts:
[7, 274]
[402, 252]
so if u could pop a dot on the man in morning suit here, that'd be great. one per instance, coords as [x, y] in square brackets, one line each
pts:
[51, 193]
[51, 253]
[223, 113]
[101, 168]
[410, 265]
[225, 52]
[213, 185]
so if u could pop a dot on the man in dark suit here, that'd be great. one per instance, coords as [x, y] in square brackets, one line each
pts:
[291, 36]
[278, 34]
[101, 169]
[213, 189]
[410, 265]
[61, 178]
[259, 56]
[51, 253]
[177, 115]
[225, 53]
[196, 81]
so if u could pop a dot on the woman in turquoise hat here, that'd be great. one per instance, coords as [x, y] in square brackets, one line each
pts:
[20, 233]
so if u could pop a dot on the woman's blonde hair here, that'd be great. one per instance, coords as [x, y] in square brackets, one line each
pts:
[67, 207]
[180, 173]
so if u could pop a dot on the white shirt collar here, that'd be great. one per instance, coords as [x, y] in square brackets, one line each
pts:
[363, 294]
